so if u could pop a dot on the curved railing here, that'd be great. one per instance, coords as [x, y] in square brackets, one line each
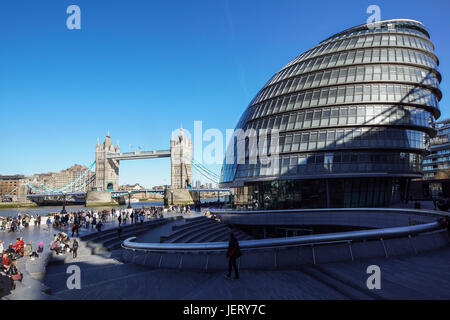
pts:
[285, 242]
[424, 212]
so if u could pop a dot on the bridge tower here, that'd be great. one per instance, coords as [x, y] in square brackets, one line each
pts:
[106, 170]
[181, 161]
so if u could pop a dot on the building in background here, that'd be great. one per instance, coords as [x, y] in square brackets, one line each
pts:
[437, 164]
[9, 187]
[133, 187]
[72, 179]
[355, 115]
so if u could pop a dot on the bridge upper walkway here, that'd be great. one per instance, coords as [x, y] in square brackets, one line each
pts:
[139, 155]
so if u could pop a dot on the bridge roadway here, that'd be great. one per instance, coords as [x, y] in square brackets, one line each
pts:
[56, 194]
[139, 155]
[121, 193]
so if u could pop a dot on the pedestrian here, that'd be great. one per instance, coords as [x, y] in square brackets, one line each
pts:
[99, 226]
[233, 253]
[74, 228]
[48, 223]
[74, 248]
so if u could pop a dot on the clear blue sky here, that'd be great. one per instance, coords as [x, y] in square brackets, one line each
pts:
[140, 68]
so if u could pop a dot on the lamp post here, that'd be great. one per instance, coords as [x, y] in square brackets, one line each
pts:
[63, 211]
[129, 199]
[171, 192]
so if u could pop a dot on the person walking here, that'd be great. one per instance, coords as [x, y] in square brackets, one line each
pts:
[74, 248]
[233, 253]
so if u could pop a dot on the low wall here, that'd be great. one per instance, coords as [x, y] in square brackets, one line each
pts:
[291, 256]
[179, 196]
[98, 198]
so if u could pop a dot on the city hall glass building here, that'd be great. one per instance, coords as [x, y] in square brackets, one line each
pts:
[355, 116]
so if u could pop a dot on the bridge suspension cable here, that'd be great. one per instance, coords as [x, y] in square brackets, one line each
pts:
[212, 173]
[75, 185]
[205, 174]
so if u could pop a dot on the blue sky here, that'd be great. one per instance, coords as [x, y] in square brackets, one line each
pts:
[140, 68]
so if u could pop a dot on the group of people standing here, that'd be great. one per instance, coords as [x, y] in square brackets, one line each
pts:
[13, 224]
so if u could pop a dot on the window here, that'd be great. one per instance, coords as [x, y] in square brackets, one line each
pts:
[334, 116]
[291, 122]
[323, 97]
[299, 122]
[325, 117]
[296, 142]
[340, 95]
[290, 105]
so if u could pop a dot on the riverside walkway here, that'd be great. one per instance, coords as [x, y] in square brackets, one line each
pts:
[105, 275]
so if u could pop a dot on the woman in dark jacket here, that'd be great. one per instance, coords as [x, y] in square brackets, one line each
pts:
[233, 253]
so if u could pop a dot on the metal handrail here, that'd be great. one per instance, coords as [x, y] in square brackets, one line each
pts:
[423, 212]
[283, 242]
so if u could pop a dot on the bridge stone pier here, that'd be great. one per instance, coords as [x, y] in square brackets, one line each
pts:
[108, 157]
[106, 169]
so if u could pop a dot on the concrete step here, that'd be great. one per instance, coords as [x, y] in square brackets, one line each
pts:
[92, 276]
[113, 230]
[205, 235]
[185, 234]
[125, 231]
[114, 243]
[181, 231]
[189, 222]
[224, 237]
[348, 291]
[87, 263]
[221, 236]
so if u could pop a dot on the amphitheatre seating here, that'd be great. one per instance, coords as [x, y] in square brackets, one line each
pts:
[202, 229]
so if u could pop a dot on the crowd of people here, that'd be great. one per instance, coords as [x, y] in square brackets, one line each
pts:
[13, 224]
[13, 253]
[61, 245]
[65, 223]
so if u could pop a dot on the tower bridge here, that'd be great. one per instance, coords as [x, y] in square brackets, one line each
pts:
[108, 157]
[103, 186]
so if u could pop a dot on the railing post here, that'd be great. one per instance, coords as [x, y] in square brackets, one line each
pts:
[384, 247]
[351, 251]
[313, 254]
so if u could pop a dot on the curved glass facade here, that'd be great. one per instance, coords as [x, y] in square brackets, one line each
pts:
[355, 114]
